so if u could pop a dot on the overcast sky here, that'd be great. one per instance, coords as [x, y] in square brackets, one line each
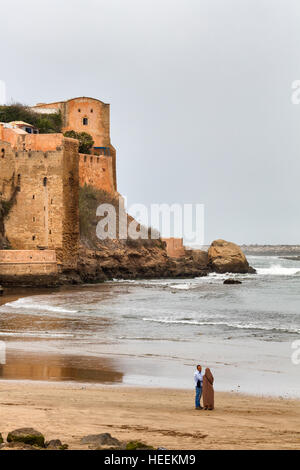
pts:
[200, 94]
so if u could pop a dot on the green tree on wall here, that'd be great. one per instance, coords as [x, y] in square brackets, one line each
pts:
[85, 140]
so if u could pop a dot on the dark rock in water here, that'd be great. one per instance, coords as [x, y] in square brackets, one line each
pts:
[232, 281]
[104, 439]
[27, 436]
[56, 444]
[251, 270]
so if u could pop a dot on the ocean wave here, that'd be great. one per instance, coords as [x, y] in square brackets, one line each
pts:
[246, 326]
[29, 303]
[180, 286]
[278, 270]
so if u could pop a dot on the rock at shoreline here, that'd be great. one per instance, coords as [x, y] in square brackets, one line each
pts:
[138, 445]
[99, 440]
[227, 257]
[27, 436]
[56, 444]
[232, 281]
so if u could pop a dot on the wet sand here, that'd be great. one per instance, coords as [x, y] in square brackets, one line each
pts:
[14, 293]
[159, 417]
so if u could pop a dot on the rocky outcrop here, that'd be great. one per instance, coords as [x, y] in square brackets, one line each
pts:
[227, 257]
[120, 261]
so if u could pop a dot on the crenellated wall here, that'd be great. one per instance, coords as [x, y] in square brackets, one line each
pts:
[96, 171]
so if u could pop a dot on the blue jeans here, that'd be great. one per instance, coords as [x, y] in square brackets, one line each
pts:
[198, 396]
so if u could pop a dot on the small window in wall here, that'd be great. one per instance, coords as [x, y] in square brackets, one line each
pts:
[33, 238]
[45, 181]
[85, 121]
[33, 197]
[79, 110]
[33, 219]
[2, 153]
[92, 110]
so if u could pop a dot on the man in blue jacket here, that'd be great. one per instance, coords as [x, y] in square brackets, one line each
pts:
[198, 379]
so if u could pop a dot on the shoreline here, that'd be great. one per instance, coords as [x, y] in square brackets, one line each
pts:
[140, 363]
[238, 422]
[36, 366]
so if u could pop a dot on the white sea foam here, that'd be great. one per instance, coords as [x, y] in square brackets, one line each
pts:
[28, 303]
[246, 326]
[180, 286]
[278, 270]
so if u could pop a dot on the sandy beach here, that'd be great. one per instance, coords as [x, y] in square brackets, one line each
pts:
[159, 417]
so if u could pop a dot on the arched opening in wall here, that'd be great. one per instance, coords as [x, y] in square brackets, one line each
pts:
[45, 181]
[85, 121]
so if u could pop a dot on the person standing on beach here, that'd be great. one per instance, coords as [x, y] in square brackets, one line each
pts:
[208, 390]
[198, 379]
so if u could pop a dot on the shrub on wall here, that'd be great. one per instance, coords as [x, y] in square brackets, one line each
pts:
[89, 199]
[46, 123]
[86, 142]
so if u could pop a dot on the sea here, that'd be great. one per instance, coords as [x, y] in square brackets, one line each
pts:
[153, 333]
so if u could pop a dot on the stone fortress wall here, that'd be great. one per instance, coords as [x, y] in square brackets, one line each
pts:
[41, 175]
[28, 262]
[174, 247]
[92, 116]
[44, 188]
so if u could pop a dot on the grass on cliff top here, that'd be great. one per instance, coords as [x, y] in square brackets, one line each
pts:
[89, 200]
[46, 123]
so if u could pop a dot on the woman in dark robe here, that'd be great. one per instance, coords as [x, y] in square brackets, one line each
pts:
[208, 390]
